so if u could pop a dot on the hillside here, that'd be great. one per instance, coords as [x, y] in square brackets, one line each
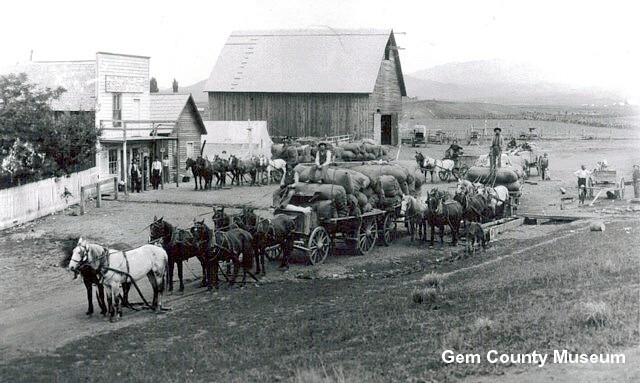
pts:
[499, 82]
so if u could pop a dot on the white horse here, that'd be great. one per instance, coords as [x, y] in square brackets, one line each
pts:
[433, 165]
[277, 164]
[117, 267]
[414, 212]
[497, 196]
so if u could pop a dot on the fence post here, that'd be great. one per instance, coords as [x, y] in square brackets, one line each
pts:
[115, 188]
[99, 195]
[82, 200]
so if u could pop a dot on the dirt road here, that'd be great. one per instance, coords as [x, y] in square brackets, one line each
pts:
[42, 307]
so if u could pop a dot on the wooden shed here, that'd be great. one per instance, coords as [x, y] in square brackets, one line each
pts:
[312, 82]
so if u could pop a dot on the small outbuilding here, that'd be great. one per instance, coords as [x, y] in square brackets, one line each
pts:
[241, 138]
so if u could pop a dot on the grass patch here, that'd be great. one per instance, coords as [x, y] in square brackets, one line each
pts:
[561, 295]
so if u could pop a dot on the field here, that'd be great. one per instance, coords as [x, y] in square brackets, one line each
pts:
[384, 317]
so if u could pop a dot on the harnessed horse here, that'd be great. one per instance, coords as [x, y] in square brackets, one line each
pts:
[415, 212]
[431, 164]
[180, 246]
[233, 246]
[117, 267]
[276, 231]
[443, 211]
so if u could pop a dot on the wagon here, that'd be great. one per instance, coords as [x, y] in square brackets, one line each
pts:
[316, 236]
[605, 181]
[460, 167]
[415, 137]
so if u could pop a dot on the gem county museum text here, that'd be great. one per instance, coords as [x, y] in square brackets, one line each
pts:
[558, 356]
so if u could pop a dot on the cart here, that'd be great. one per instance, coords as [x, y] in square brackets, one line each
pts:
[315, 236]
[605, 181]
[439, 137]
[461, 166]
[474, 138]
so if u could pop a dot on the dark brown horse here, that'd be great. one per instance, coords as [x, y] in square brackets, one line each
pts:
[180, 245]
[443, 211]
[217, 246]
[238, 169]
[220, 167]
[89, 276]
[276, 231]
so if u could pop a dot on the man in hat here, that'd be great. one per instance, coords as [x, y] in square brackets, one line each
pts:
[323, 159]
[156, 173]
[136, 182]
[496, 149]
[544, 164]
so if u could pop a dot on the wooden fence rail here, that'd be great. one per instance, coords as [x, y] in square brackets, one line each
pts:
[84, 190]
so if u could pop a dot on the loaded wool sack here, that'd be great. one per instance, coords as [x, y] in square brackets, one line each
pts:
[504, 176]
[387, 185]
[335, 193]
[325, 209]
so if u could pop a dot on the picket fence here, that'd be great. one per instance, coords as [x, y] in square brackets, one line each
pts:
[24, 203]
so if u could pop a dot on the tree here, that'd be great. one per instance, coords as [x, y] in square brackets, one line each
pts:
[153, 85]
[175, 86]
[38, 144]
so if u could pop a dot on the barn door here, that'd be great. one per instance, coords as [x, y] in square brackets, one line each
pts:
[385, 131]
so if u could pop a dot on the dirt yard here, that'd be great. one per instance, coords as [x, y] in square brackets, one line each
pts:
[45, 334]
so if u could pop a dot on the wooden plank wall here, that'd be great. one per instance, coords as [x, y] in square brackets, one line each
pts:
[387, 94]
[297, 114]
[188, 132]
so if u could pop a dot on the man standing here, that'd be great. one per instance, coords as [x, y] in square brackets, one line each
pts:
[323, 159]
[165, 169]
[136, 184]
[496, 150]
[544, 164]
[156, 173]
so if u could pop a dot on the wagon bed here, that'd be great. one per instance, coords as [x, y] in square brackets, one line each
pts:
[316, 236]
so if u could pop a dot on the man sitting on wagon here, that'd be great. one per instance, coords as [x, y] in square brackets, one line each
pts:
[454, 151]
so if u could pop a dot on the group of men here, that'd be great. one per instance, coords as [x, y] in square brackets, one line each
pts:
[159, 174]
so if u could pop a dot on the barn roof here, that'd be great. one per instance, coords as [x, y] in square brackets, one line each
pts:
[77, 77]
[301, 61]
[169, 107]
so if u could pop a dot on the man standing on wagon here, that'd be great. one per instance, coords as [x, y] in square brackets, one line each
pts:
[496, 150]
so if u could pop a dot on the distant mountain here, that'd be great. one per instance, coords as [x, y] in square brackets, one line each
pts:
[499, 82]
[484, 81]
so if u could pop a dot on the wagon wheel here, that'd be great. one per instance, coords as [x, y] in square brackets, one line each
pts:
[367, 235]
[274, 253]
[589, 188]
[444, 175]
[318, 245]
[621, 189]
[389, 228]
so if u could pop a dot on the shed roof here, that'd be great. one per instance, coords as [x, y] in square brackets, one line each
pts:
[77, 77]
[169, 107]
[300, 61]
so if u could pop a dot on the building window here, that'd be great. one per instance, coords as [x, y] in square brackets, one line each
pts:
[113, 161]
[117, 109]
[189, 149]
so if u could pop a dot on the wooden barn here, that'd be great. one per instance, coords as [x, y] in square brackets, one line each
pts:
[312, 82]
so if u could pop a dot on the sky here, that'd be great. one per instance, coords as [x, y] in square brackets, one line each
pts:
[585, 43]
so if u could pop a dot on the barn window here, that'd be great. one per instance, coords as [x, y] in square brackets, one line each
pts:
[117, 109]
[190, 149]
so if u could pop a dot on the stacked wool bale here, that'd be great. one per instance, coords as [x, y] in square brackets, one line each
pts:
[508, 176]
[365, 186]
[305, 151]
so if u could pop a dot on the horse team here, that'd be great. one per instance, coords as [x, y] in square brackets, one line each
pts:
[258, 168]
[237, 241]
[471, 205]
